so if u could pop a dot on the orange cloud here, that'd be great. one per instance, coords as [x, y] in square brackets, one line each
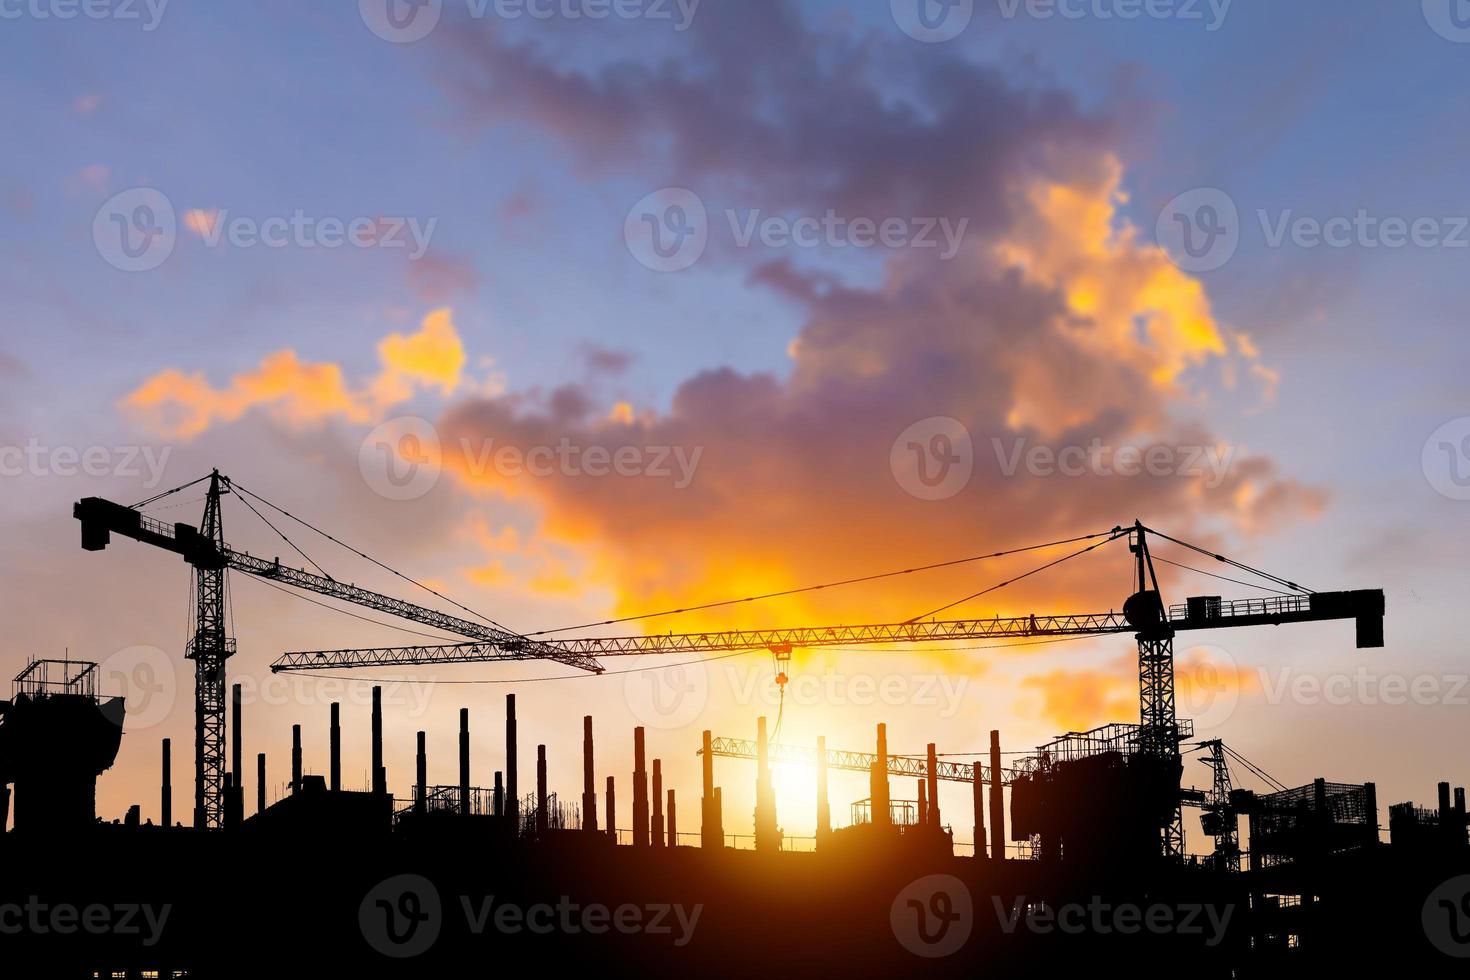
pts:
[1078, 700]
[301, 393]
[1125, 301]
[201, 221]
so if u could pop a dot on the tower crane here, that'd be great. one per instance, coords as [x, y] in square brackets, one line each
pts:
[1144, 614]
[205, 550]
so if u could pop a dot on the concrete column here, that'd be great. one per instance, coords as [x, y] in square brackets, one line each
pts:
[497, 803]
[979, 788]
[673, 822]
[421, 778]
[824, 808]
[656, 827]
[543, 819]
[923, 815]
[1445, 810]
[335, 747]
[464, 762]
[295, 758]
[878, 790]
[379, 777]
[767, 834]
[589, 794]
[512, 801]
[235, 801]
[168, 785]
[709, 831]
[612, 812]
[997, 802]
[933, 762]
[640, 792]
[260, 783]
[720, 812]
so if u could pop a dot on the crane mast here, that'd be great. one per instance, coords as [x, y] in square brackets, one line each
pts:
[210, 646]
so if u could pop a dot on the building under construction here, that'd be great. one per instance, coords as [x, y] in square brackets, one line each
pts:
[1075, 858]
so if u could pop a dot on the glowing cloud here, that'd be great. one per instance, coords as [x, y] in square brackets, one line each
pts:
[301, 393]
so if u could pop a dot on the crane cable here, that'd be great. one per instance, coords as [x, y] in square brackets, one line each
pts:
[375, 561]
[1113, 535]
[825, 585]
[282, 535]
[1230, 561]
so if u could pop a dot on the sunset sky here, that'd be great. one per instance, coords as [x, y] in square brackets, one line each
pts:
[442, 246]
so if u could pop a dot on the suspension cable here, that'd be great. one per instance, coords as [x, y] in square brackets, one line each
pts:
[1114, 535]
[1223, 578]
[166, 493]
[282, 535]
[825, 585]
[1232, 562]
[375, 561]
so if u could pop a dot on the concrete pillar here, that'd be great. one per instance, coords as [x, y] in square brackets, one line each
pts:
[335, 747]
[878, 799]
[1445, 810]
[979, 789]
[997, 802]
[710, 834]
[295, 758]
[464, 762]
[421, 778]
[379, 776]
[497, 803]
[260, 782]
[720, 811]
[923, 815]
[824, 808]
[933, 762]
[512, 801]
[656, 827]
[767, 834]
[589, 794]
[543, 819]
[673, 822]
[167, 802]
[1371, 806]
[235, 799]
[640, 792]
[612, 812]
